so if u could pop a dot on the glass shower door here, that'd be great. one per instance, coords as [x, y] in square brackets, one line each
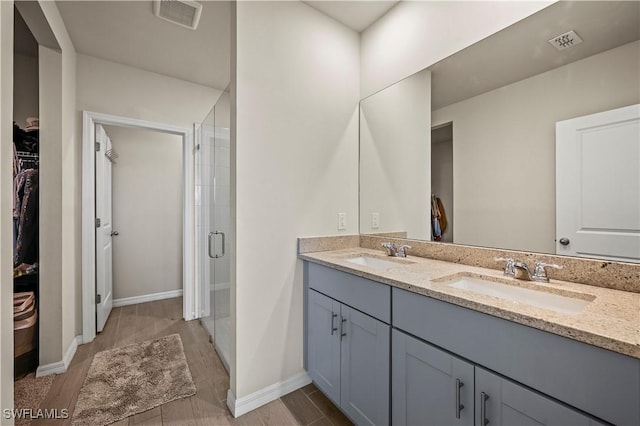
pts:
[213, 223]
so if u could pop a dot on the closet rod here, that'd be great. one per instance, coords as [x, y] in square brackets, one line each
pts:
[24, 154]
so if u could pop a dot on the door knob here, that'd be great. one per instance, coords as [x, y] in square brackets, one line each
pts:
[564, 241]
[114, 233]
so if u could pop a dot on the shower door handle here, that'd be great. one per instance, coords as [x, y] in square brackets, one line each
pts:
[223, 244]
[216, 256]
[211, 234]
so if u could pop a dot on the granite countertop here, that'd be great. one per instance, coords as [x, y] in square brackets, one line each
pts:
[610, 321]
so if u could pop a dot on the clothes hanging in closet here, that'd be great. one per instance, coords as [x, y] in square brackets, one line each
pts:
[26, 141]
[438, 218]
[25, 217]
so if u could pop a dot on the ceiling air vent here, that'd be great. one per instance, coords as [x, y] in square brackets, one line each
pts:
[185, 13]
[566, 40]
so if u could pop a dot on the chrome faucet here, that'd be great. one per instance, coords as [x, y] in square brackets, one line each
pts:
[392, 250]
[520, 270]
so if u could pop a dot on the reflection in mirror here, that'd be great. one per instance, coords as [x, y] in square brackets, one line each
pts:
[493, 163]
[394, 148]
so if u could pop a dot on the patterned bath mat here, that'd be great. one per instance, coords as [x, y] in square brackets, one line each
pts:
[125, 381]
[29, 392]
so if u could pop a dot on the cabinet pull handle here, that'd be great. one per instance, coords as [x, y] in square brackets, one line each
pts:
[459, 407]
[342, 332]
[483, 409]
[333, 329]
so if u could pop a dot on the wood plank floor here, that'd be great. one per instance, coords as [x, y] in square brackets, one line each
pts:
[137, 323]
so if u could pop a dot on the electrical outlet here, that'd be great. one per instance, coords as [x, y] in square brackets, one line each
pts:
[375, 220]
[342, 221]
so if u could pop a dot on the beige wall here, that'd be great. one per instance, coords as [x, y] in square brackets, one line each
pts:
[417, 34]
[25, 104]
[111, 88]
[147, 187]
[6, 204]
[396, 183]
[295, 149]
[58, 215]
[50, 187]
[504, 147]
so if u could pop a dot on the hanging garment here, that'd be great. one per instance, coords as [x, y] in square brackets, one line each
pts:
[436, 230]
[443, 215]
[26, 250]
[25, 141]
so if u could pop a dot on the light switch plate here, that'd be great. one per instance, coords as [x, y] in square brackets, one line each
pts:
[342, 221]
[375, 220]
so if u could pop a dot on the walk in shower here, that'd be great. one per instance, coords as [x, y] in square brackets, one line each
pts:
[212, 164]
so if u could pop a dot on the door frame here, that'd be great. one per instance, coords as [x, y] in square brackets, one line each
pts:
[190, 295]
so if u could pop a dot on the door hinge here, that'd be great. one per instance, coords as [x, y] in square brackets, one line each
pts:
[98, 223]
[97, 146]
[98, 299]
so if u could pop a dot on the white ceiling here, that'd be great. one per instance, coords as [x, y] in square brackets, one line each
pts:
[128, 32]
[357, 15]
[523, 50]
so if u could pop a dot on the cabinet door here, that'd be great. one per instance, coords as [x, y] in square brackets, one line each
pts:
[429, 386]
[365, 368]
[323, 362]
[503, 402]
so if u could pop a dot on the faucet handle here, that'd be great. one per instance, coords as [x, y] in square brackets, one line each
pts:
[390, 248]
[510, 267]
[540, 272]
[402, 250]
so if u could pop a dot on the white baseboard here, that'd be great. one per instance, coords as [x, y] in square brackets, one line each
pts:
[146, 298]
[60, 366]
[259, 398]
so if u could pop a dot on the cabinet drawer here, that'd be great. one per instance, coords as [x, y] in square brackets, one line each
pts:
[365, 295]
[600, 382]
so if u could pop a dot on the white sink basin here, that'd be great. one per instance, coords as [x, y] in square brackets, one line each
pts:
[565, 304]
[375, 262]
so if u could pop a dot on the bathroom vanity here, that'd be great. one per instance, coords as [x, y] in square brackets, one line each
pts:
[393, 341]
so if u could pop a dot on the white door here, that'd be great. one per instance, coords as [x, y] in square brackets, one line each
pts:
[598, 185]
[104, 248]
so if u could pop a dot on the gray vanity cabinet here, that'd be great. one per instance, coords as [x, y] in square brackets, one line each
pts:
[323, 364]
[348, 341]
[429, 386]
[364, 368]
[502, 402]
[436, 363]
[598, 382]
[432, 387]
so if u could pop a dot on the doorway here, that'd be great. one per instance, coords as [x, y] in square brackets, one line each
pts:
[146, 200]
[96, 304]
[442, 180]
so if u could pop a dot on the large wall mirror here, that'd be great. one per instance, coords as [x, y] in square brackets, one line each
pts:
[513, 138]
